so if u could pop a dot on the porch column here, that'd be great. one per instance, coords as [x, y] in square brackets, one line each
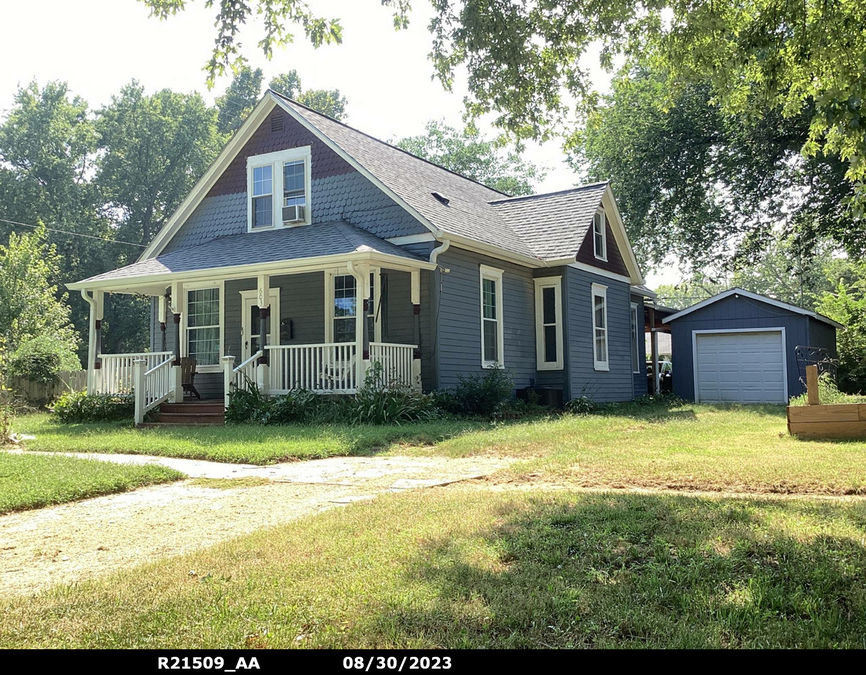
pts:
[654, 349]
[177, 305]
[163, 310]
[263, 289]
[362, 343]
[415, 296]
[99, 298]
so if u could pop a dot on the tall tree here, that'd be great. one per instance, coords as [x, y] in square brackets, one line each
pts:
[469, 154]
[239, 99]
[31, 304]
[705, 185]
[329, 102]
[155, 149]
[48, 147]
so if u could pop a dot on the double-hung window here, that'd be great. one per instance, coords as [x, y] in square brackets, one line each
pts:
[492, 341]
[599, 327]
[548, 323]
[345, 308]
[636, 337]
[599, 235]
[204, 326]
[278, 185]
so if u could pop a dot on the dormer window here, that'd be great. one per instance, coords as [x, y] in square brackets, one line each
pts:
[599, 235]
[278, 185]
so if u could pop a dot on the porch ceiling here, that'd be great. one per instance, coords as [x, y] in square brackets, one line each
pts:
[318, 245]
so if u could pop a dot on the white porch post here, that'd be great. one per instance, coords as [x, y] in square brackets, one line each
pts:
[177, 305]
[263, 289]
[163, 311]
[99, 297]
[415, 296]
[362, 291]
[228, 377]
[138, 370]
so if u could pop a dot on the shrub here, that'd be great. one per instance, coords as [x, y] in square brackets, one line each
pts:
[40, 359]
[76, 407]
[486, 395]
[828, 393]
[299, 405]
[582, 405]
[247, 405]
[372, 405]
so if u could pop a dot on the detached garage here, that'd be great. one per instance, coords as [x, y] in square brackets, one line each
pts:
[741, 347]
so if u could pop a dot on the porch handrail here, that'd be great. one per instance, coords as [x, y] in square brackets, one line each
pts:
[397, 362]
[245, 374]
[151, 387]
[325, 368]
[116, 374]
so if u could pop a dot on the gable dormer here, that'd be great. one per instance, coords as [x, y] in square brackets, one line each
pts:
[599, 247]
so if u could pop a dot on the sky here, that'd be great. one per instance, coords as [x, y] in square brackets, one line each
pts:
[97, 46]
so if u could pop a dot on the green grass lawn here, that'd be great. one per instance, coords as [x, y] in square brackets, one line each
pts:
[471, 567]
[33, 481]
[251, 444]
[690, 447]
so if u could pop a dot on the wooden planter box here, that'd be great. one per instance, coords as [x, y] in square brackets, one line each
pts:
[844, 420]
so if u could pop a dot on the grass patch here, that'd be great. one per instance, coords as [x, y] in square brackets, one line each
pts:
[490, 569]
[687, 447]
[230, 483]
[33, 481]
[251, 444]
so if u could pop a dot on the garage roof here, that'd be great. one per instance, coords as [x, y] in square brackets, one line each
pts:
[752, 296]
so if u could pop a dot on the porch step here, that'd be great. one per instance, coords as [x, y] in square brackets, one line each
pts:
[194, 413]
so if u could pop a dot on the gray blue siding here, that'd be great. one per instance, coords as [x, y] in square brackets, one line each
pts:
[617, 384]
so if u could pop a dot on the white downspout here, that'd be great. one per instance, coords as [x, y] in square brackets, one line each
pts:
[439, 250]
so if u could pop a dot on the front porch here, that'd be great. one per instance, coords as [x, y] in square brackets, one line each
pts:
[327, 326]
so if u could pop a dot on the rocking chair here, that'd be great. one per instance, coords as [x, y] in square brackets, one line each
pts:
[187, 376]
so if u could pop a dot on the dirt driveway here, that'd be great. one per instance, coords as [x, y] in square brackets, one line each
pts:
[80, 540]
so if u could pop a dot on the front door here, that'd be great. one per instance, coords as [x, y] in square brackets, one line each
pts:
[251, 327]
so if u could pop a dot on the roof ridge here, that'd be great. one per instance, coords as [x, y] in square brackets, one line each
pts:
[549, 194]
[385, 143]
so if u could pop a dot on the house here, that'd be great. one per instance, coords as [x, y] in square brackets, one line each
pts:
[310, 250]
[742, 347]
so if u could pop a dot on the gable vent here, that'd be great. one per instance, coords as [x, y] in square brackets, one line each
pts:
[277, 122]
[440, 198]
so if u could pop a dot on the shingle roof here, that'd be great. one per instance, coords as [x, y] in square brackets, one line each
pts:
[264, 247]
[554, 225]
[414, 180]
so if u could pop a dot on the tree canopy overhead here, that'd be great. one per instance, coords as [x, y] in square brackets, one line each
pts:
[523, 58]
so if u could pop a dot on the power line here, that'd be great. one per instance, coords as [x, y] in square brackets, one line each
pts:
[72, 234]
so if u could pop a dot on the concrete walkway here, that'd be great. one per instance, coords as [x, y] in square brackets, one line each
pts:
[81, 540]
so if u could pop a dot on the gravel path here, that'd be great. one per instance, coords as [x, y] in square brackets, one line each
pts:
[80, 540]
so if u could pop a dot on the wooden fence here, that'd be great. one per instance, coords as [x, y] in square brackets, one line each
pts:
[41, 392]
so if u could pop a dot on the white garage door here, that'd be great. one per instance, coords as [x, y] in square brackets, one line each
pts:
[740, 367]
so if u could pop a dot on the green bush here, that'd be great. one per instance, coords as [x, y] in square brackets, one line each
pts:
[247, 405]
[582, 405]
[828, 393]
[76, 407]
[298, 406]
[486, 395]
[394, 405]
[40, 359]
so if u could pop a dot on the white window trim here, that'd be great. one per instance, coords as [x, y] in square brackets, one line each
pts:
[274, 295]
[603, 256]
[329, 303]
[638, 333]
[600, 291]
[276, 160]
[197, 286]
[540, 284]
[496, 275]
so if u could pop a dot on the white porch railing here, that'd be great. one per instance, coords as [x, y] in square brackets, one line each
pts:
[117, 372]
[152, 386]
[397, 363]
[325, 369]
[245, 374]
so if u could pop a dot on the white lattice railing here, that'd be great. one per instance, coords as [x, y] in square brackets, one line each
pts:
[116, 374]
[324, 369]
[396, 363]
[151, 386]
